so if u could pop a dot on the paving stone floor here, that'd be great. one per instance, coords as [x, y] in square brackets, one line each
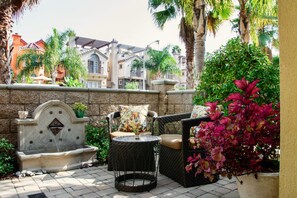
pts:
[98, 182]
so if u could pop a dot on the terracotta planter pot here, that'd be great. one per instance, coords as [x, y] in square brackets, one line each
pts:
[265, 186]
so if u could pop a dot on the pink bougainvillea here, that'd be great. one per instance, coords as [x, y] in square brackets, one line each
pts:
[245, 141]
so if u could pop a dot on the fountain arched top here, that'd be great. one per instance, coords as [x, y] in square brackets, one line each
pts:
[54, 126]
[49, 104]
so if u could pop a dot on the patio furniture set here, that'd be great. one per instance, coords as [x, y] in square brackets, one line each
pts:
[141, 144]
[163, 146]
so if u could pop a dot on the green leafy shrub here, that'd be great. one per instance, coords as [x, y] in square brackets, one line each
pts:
[234, 61]
[78, 106]
[132, 85]
[71, 82]
[6, 157]
[97, 135]
[79, 109]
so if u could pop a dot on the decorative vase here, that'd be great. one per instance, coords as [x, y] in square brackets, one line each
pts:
[79, 113]
[23, 114]
[264, 186]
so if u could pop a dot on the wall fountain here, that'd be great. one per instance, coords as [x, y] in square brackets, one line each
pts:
[53, 140]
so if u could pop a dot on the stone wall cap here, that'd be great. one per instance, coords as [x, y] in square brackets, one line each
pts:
[189, 91]
[164, 81]
[59, 88]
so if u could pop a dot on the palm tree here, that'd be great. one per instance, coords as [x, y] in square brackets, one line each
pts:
[267, 36]
[208, 15]
[176, 49]
[56, 54]
[197, 16]
[159, 63]
[251, 14]
[8, 9]
[32, 61]
[165, 10]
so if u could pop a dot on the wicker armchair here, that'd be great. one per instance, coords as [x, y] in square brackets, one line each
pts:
[113, 123]
[175, 150]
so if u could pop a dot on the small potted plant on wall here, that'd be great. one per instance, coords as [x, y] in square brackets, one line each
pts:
[245, 143]
[79, 109]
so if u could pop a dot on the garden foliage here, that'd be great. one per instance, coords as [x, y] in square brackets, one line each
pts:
[132, 85]
[6, 157]
[234, 61]
[97, 135]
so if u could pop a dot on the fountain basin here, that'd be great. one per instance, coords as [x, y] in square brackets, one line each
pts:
[58, 161]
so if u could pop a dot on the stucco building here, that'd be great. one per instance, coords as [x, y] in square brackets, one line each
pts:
[108, 63]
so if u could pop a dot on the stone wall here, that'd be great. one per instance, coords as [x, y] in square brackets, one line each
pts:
[180, 101]
[171, 102]
[100, 102]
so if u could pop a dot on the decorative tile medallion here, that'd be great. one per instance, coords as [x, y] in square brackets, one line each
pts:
[55, 126]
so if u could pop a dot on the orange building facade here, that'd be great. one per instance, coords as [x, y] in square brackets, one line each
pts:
[20, 46]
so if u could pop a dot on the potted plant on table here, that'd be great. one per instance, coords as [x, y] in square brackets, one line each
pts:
[245, 143]
[79, 109]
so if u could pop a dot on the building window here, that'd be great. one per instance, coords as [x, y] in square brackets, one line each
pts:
[94, 84]
[183, 73]
[121, 66]
[136, 72]
[94, 64]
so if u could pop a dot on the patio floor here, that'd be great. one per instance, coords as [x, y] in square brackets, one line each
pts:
[98, 182]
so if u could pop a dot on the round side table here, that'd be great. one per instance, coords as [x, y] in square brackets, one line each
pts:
[135, 163]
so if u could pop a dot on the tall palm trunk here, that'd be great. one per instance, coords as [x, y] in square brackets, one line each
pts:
[5, 46]
[186, 33]
[200, 34]
[244, 22]
[189, 44]
[190, 67]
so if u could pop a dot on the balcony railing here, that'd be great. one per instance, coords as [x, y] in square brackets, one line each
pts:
[136, 74]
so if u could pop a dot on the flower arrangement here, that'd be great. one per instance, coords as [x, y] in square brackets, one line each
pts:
[79, 109]
[243, 142]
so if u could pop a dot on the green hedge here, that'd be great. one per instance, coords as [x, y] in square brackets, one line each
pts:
[234, 61]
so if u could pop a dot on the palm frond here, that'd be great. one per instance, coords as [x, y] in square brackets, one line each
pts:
[264, 13]
[19, 6]
[137, 64]
[29, 62]
[31, 58]
[213, 23]
[161, 17]
[73, 63]
[154, 4]
[218, 12]
[186, 32]
[159, 62]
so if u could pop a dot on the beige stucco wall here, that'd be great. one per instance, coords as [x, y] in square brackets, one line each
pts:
[288, 76]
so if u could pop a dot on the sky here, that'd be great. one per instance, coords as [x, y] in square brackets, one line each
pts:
[127, 21]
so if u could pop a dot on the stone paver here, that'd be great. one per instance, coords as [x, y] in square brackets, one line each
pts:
[98, 182]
